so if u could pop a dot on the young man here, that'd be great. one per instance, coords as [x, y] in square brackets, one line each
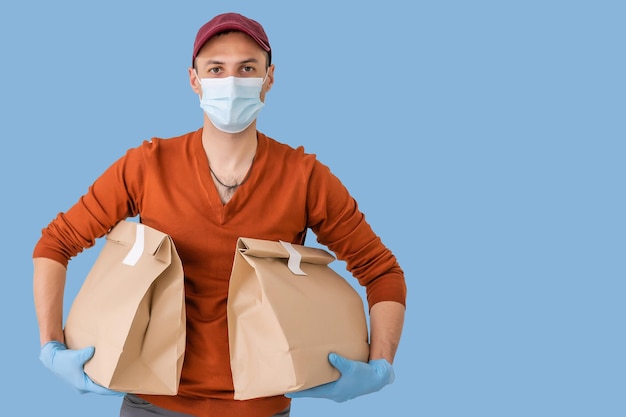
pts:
[205, 189]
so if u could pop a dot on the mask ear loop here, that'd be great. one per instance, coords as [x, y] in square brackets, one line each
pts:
[265, 78]
[195, 72]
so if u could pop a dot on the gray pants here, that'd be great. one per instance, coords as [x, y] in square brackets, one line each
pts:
[133, 406]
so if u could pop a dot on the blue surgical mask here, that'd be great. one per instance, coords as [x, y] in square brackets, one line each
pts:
[231, 103]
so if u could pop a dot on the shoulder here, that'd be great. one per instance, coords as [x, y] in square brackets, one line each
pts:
[163, 147]
[287, 154]
[286, 158]
[172, 143]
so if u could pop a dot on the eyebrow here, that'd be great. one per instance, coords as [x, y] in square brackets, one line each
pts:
[217, 62]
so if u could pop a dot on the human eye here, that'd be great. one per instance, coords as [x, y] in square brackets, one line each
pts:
[214, 70]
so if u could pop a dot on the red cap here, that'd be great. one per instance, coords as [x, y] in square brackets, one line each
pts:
[230, 21]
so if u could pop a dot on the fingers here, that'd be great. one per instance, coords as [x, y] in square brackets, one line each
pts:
[83, 355]
[342, 364]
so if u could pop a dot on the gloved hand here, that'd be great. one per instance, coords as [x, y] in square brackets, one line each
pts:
[68, 364]
[357, 378]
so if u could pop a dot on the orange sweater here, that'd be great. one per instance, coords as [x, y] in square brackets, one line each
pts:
[167, 183]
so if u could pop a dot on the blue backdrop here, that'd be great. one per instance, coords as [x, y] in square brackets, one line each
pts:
[484, 140]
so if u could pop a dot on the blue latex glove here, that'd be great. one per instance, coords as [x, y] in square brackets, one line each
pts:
[357, 378]
[68, 364]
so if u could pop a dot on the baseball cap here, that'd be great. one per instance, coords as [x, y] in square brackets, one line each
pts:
[230, 21]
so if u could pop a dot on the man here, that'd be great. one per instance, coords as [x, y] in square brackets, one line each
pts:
[205, 189]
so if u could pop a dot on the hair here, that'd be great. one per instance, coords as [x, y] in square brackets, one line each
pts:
[268, 56]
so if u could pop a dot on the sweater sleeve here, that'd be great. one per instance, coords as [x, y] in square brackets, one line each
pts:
[113, 196]
[338, 223]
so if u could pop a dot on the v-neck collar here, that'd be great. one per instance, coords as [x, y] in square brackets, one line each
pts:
[223, 211]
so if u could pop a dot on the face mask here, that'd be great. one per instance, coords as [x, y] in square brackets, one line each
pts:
[231, 103]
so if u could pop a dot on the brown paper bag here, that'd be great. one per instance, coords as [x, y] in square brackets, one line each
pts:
[131, 307]
[287, 310]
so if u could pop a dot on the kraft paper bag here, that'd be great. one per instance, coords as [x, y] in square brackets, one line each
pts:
[287, 310]
[131, 307]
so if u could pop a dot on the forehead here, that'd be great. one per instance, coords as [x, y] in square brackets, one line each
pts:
[230, 44]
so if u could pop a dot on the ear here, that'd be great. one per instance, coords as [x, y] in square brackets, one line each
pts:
[269, 82]
[270, 78]
[194, 82]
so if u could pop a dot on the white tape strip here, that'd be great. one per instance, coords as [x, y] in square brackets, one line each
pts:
[294, 259]
[137, 250]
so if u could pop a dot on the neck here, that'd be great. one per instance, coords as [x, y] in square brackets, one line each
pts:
[228, 152]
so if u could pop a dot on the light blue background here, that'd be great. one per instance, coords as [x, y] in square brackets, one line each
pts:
[484, 140]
